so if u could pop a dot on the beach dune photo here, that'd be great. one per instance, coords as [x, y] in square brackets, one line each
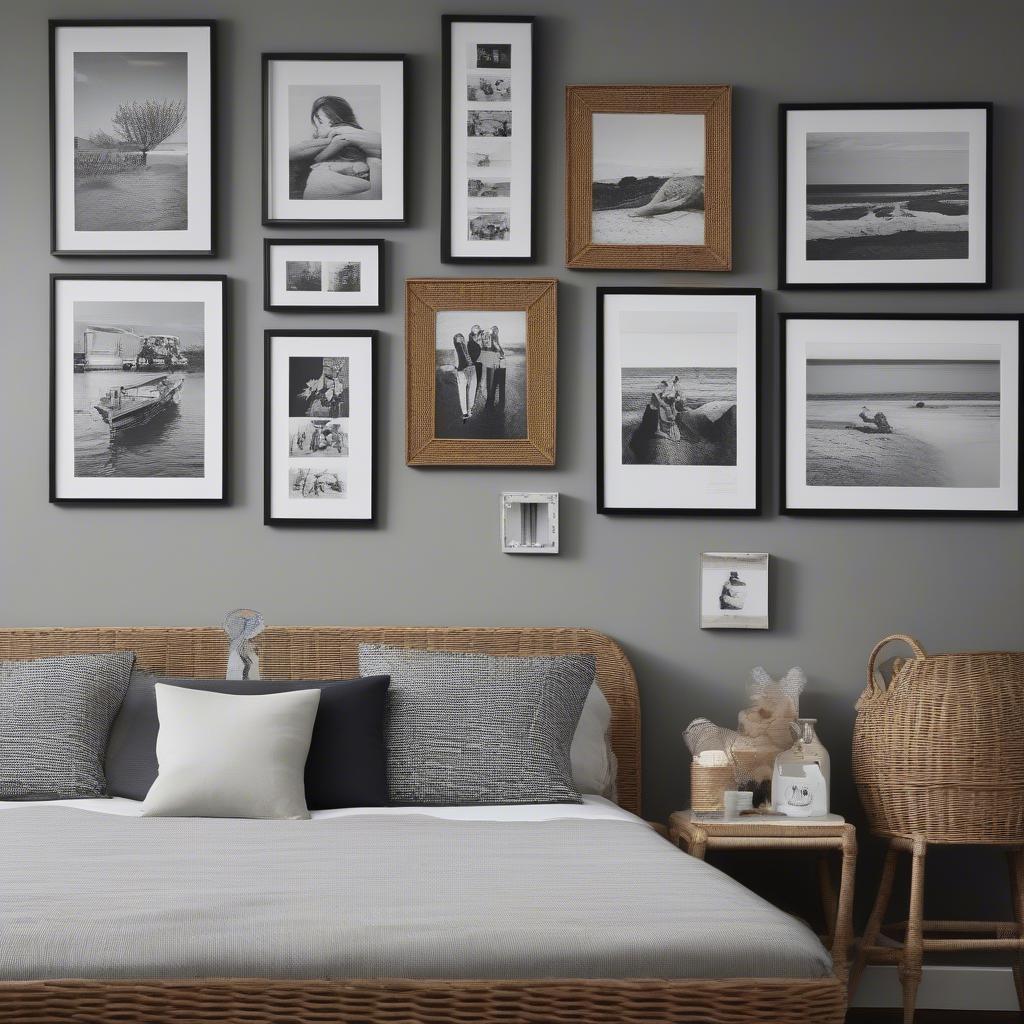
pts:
[131, 145]
[887, 195]
[900, 423]
[648, 179]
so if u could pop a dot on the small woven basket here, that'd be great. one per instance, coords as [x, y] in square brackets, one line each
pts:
[939, 752]
[707, 786]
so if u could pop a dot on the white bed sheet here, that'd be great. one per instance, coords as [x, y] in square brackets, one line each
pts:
[593, 807]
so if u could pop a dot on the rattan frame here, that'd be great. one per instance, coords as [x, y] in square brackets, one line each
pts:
[326, 652]
[424, 299]
[715, 103]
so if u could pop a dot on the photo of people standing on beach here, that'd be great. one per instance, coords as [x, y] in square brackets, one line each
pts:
[334, 140]
[480, 375]
[131, 141]
[321, 437]
[648, 179]
[888, 195]
[903, 423]
[679, 416]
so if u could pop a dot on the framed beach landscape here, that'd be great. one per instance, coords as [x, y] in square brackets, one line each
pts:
[333, 138]
[132, 162]
[137, 388]
[885, 195]
[488, 169]
[319, 427]
[648, 177]
[678, 373]
[901, 414]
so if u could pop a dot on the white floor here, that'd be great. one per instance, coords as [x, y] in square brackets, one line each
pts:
[942, 988]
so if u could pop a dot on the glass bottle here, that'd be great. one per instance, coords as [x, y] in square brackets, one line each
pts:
[807, 749]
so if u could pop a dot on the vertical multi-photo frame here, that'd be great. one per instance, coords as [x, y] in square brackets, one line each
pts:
[488, 138]
[319, 427]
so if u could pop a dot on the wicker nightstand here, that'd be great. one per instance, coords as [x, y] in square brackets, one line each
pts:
[696, 834]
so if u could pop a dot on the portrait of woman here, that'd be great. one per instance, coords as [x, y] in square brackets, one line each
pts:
[336, 157]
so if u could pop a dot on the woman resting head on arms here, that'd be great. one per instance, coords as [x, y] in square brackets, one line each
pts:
[342, 157]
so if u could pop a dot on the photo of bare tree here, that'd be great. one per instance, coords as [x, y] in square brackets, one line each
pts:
[131, 142]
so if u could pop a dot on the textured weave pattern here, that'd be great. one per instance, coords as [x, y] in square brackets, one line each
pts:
[407, 896]
[55, 715]
[476, 729]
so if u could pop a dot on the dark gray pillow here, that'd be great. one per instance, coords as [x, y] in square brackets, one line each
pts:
[476, 729]
[55, 715]
[345, 766]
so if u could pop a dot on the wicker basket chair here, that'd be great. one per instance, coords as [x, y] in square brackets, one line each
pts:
[938, 757]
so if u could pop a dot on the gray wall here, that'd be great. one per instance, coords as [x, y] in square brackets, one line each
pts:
[838, 585]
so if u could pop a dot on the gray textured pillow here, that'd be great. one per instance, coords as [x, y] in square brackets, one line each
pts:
[476, 729]
[55, 714]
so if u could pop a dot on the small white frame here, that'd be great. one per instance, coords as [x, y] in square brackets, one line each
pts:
[529, 522]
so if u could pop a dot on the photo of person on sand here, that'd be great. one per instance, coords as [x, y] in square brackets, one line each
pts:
[337, 154]
[688, 422]
[903, 423]
[733, 595]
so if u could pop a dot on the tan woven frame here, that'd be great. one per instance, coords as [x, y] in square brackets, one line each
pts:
[321, 652]
[715, 103]
[424, 299]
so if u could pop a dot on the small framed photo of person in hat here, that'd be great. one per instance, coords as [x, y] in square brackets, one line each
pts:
[733, 590]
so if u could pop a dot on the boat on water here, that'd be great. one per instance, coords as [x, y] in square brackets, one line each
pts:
[130, 406]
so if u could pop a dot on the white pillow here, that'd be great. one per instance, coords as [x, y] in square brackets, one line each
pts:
[593, 761]
[227, 755]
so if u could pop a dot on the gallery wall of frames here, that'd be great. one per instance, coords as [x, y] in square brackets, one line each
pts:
[878, 414]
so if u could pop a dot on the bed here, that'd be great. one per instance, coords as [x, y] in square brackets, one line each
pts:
[543, 913]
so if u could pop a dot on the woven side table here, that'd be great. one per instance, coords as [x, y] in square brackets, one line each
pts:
[697, 835]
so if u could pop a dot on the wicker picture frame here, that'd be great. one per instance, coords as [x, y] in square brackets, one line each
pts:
[426, 298]
[582, 102]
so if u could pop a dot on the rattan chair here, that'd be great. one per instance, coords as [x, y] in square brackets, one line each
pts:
[938, 758]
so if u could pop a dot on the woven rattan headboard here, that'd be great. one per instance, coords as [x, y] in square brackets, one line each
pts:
[325, 652]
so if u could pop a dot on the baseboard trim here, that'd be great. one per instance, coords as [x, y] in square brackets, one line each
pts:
[942, 988]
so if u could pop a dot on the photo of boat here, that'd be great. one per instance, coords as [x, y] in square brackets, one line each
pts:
[130, 406]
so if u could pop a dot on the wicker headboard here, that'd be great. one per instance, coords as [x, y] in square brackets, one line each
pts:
[326, 652]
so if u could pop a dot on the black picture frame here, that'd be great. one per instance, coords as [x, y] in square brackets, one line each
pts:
[783, 123]
[55, 24]
[268, 339]
[447, 20]
[267, 220]
[224, 498]
[756, 510]
[876, 513]
[369, 243]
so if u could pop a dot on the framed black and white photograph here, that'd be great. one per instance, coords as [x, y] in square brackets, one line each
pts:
[734, 590]
[885, 195]
[319, 427]
[901, 414]
[132, 161]
[648, 177]
[488, 135]
[137, 388]
[677, 401]
[481, 363]
[317, 274]
[333, 138]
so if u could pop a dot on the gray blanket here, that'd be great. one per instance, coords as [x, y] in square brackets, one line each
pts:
[86, 895]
